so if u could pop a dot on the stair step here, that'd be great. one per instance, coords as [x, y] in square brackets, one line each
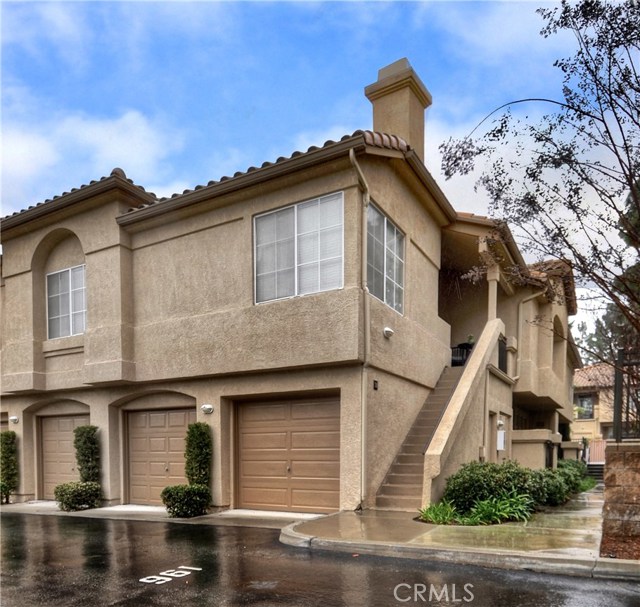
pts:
[409, 458]
[403, 490]
[394, 478]
[396, 502]
[406, 469]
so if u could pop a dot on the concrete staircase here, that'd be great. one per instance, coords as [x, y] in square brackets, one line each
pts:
[402, 487]
[596, 471]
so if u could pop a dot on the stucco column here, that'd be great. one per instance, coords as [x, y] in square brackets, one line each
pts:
[493, 276]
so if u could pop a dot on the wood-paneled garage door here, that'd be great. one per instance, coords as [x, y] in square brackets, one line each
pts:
[156, 452]
[289, 456]
[57, 450]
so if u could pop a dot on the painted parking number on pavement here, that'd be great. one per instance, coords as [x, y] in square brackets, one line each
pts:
[170, 574]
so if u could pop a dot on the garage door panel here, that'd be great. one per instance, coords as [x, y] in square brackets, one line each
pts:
[315, 440]
[158, 444]
[57, 453]
[265, 468]
[178, 419]
[314, 410]
[264, 440]
[315, 469]
[305, 500]
[176, 444]
[156, 452]
[258, 413]
[286, 448]
[267, 497]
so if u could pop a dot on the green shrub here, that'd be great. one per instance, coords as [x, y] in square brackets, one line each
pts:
[5, 492]
[479, 481]
[78, 495]
[442, 513]
[537, 487]
[557, 490]
[87, 449]
[198, 454]
[587, 483]
[501, 509]
[8, 464]
[577, 465]
[186, 501]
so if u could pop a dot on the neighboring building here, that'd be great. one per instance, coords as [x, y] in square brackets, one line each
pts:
[312, 302]
[593, 402]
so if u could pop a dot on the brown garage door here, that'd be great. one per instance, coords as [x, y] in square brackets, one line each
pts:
[156, 452]
[289, 456]
[57, 450]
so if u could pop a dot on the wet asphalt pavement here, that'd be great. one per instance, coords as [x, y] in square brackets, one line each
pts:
[69, 561]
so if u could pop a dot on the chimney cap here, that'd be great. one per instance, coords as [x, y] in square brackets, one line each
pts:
[396, 76]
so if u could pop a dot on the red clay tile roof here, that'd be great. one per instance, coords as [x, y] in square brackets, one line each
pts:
[117, 172]
[599, 375]
[369, 138]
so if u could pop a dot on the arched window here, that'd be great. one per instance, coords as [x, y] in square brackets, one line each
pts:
[60, 285]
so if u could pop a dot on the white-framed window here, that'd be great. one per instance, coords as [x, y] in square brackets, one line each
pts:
[385, 259]
[299, 249]
[66, 302]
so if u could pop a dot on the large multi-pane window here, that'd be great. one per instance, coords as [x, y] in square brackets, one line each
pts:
[298, 249]
[66, 302]
[385, 259]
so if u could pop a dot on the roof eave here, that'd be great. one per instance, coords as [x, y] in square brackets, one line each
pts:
[73, 197]
[245, 180]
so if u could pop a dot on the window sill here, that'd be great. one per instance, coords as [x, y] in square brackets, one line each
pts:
[73, 344]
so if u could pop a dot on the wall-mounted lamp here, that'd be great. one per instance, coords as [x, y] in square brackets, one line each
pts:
[14, 419]
[500, 424]
[207, 409]
[387, 332]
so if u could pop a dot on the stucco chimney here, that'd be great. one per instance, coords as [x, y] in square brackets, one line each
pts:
[399, 100]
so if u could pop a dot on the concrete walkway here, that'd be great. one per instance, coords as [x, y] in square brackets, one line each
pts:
[564, 541]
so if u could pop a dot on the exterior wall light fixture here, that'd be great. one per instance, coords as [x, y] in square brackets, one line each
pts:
[207, 409]
[14, 419]
[387, 332]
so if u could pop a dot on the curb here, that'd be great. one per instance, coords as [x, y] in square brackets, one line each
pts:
[596, 567]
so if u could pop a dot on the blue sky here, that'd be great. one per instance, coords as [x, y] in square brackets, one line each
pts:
[180, 93]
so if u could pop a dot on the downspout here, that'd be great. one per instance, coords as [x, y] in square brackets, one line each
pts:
[519, 327]
[366, 198]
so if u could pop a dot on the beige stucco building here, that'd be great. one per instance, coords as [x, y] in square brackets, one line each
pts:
[306, 310]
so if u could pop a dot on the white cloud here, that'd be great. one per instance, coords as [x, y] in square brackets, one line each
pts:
[62, 26]
[67, 151]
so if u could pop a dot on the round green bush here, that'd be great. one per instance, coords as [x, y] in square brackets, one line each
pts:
[78, 495]
[479, 481]
[186, 501]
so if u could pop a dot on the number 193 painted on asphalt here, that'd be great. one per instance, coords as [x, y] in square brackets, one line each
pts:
[170, 574]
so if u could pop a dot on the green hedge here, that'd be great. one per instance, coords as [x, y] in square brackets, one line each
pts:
[198, 454]
[8, 464]
[186, 501]
[78, 495]
[487, 493]
[87, 449]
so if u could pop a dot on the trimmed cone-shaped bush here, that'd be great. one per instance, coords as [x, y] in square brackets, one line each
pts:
[198, 453]
[87, 449]
[8, 464]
